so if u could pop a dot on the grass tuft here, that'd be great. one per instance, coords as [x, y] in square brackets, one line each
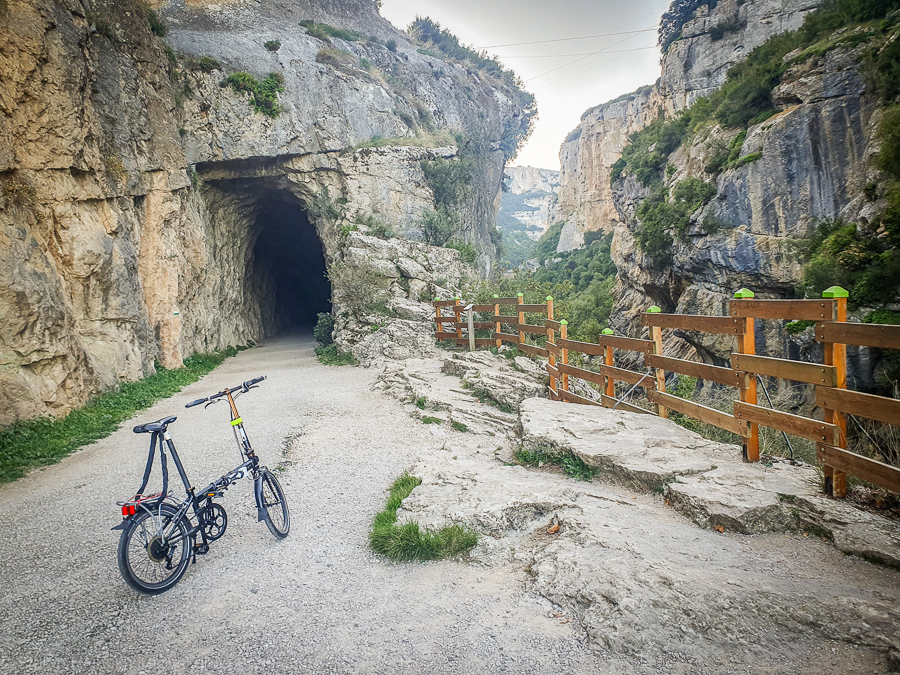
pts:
[432, 420]
[330, 356]
[43, 441]
[409, 541]
[573, 465]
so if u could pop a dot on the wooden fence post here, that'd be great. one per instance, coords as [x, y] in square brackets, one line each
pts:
[456, 311]
[437, 315]
[747, 345]
[497, 330]
[521, 301]
[564, 353]
[609, 360]
[836, 355]
[551, 354]
[656, 336]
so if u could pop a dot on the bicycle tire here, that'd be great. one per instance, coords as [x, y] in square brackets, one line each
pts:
[278, 518]
[147, 564]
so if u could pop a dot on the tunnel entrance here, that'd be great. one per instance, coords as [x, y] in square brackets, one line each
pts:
[289, 253]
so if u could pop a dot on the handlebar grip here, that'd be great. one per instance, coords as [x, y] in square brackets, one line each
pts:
[249, 383]
[197, 402]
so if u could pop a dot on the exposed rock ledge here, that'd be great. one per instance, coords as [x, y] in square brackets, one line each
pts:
[640, 576]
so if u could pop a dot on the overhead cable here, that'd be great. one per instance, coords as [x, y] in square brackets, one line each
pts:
[583, 37]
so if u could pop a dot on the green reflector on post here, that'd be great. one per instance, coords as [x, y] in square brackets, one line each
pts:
[607, 331]
[520, 295]
[496, 296]
[835, 292]
[653, 309]
[563, 323]
[549, 298]
[437, 299]
[239, 420]
[744, 293]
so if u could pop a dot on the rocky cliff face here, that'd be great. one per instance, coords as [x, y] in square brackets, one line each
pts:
[694, 65]
[586, 159]
[813, 164]
[530, 199]
[149, 211]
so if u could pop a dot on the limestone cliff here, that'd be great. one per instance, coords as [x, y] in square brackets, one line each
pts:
[810, 161]
[529, 202]
[694, 65]
[150, 210]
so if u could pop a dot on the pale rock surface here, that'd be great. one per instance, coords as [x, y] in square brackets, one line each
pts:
[451, 386]
[704, 480]
[639, 577]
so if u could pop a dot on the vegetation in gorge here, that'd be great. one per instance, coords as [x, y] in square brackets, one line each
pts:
[866, 262]
[580, 283]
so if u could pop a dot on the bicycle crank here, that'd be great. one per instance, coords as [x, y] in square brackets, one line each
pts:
[214, 521]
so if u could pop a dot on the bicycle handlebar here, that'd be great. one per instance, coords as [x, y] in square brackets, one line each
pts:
[243, 388]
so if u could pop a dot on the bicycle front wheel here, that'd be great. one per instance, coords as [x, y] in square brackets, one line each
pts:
[278, 518]
[154, 550]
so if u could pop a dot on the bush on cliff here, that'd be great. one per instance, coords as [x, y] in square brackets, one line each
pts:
[264, 93]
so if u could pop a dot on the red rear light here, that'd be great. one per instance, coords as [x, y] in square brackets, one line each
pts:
[128, 510]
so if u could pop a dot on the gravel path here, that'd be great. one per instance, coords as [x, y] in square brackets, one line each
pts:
[317, 601]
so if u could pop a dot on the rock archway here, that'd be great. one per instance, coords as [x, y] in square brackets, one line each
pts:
[288, 251]
[267, 259]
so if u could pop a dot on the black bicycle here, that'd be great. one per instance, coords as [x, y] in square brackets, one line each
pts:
[161, 536]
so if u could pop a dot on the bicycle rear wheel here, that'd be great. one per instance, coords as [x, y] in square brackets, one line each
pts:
[278, 518]
[154, 550]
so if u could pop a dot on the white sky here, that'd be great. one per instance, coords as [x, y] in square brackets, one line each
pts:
[580, 79]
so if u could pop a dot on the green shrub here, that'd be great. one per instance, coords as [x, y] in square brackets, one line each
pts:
[836, 253]
[208, 64]
[360, 290]
[156, 25]
[101, 25]
[273, 45]
[19, 192]
[659, 217]
[797, 327]
[264, 93]
[889, 135]
[448, 179]
[330, 356]
[323, 31]
[617, 168]
[720, 30]
[549, 241]
[391, 45]
[324, 329]
[467, 252]
[572, 464]
[440, 226]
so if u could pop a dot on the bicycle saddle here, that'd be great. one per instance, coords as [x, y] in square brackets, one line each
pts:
[159, 425]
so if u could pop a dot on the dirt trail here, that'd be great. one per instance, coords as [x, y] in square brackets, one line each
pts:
[316, 602]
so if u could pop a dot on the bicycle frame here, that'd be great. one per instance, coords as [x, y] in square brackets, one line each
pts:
[196, 501]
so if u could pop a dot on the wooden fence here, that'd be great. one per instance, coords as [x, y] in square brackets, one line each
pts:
[829, 377]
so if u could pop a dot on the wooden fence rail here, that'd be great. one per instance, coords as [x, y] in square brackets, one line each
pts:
[829, 377]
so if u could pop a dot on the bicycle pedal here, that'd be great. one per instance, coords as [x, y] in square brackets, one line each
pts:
[201, 550]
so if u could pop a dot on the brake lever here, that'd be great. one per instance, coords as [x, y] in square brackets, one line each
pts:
[210, 403]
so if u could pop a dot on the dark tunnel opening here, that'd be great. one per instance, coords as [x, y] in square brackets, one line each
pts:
[289, 251]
